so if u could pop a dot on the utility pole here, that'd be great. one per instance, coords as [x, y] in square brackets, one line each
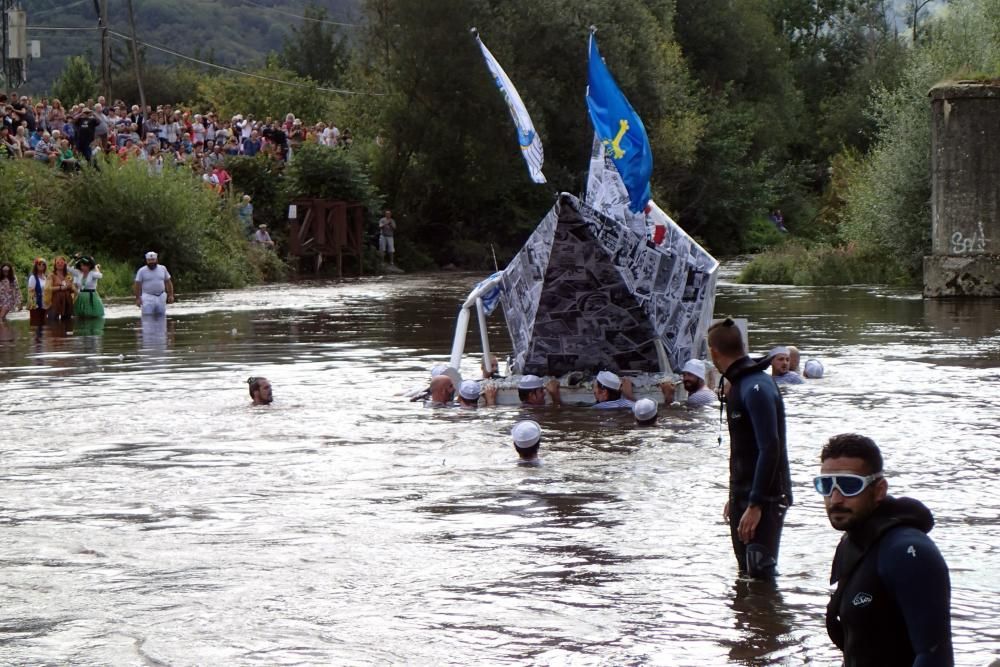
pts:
[102, 23]
[135, 60]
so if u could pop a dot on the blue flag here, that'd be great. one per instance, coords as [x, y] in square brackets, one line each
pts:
[620, 130]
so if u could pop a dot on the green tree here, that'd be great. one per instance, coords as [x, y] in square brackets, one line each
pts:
[264, 97]
[76, 83]
[888, 196]
[450, 161]
[314, 50]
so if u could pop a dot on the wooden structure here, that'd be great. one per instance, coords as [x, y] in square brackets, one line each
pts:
[324, 228]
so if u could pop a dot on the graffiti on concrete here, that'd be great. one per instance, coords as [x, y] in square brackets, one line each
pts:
[960, 244]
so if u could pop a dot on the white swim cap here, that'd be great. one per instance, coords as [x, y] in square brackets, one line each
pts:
[469, 390]
[609, 380]
[526, 434]
[644, 409]
[695, 367]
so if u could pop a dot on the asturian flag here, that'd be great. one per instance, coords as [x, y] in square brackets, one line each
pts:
[620, 130]
[531, 145]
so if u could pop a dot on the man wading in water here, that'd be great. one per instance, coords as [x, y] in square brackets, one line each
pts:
[153, 288]
[760, 485]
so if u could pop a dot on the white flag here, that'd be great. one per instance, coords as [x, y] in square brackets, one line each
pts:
[531, 145]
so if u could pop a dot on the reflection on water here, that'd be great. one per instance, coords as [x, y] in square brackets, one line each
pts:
[148, 514]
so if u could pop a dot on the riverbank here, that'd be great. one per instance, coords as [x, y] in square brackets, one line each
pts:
[795, 263]
[118, 212]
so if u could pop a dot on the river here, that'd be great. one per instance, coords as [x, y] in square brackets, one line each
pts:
[148, 515]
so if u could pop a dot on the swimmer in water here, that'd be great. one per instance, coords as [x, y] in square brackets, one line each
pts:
[260, 390]
[527, 437]
[645, 411]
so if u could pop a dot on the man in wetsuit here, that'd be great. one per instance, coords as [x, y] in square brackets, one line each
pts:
[760, 485]
[891, 606]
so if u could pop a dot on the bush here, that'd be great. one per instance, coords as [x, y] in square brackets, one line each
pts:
[324, 173]
[762, 234]
[888, 197]
[262, 178]
[122, 211]
[823, 264]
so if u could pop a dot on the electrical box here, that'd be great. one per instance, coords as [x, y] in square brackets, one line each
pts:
[35, 48]
[17, 34]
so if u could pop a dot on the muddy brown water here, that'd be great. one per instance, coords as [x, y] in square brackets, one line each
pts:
[148, 515]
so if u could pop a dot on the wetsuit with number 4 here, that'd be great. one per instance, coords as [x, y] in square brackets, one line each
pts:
[892, 603]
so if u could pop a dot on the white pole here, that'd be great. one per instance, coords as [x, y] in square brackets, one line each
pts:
[458, 343]
[484, 337]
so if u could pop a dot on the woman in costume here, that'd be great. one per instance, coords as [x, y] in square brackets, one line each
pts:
[10, 292]
[85, 276]
[36, 292]
[61, 290]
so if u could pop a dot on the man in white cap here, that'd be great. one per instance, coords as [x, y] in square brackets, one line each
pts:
[611, 392]
[645, 411]
[693, 379]
[527, 437]
[781, 370]
[153, 287]
[531, 390]
[813, 369]
[468, 395]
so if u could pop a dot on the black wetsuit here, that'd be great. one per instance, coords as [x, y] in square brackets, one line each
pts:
[758, 463]
[892, 604]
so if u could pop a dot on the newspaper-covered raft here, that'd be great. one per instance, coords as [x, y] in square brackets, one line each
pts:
[588, 293]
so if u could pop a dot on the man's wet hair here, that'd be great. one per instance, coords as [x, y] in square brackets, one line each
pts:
[725, 338]
[254, 383]
[852, 445]
[523, 394]
[529, 453]
[613, 394]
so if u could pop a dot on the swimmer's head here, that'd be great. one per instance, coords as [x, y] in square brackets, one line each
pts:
[645, 411]
[260, 390]
[527, 436]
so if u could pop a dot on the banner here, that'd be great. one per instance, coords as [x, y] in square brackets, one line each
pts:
[531, 144]
[620, 130]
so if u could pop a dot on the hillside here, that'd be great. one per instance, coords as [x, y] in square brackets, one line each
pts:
[238, 33]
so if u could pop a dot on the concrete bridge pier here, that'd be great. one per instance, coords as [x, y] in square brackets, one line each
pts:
[965, 182]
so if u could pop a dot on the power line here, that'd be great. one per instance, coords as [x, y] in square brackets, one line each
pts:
[57, 8]
[52, 27]
[233, 70]
[299, 16]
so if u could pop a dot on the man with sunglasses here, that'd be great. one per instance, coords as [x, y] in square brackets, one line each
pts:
[891, 606]
[760, 485]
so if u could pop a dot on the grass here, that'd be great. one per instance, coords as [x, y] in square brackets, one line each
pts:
[823, 264]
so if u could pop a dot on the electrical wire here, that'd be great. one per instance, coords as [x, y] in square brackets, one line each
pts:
[294, 84]
[299, 16]
[52, 27]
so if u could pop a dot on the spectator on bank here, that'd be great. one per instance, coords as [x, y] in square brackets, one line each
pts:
[262, 237]
[10, 292]
[245, 212]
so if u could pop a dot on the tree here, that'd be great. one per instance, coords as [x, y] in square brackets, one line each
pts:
[314, 51]
[76, 83]
[262, 98]
[450, 159]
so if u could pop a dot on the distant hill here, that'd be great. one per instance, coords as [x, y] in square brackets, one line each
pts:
[237, 33]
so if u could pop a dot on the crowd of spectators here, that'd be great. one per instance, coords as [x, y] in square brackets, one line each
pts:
[168, 136]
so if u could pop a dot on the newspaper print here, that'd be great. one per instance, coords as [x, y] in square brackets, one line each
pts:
[587, 293]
